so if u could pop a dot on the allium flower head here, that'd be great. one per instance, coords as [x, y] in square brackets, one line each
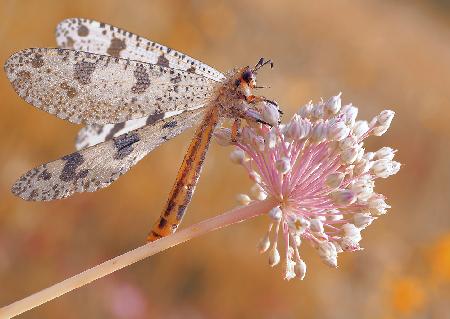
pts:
[316, 168]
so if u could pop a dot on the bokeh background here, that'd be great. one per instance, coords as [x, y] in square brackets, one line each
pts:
[380, 54]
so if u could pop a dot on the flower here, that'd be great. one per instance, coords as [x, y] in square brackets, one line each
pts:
[317, 170]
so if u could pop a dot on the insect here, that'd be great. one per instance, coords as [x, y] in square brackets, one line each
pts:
[133, 95]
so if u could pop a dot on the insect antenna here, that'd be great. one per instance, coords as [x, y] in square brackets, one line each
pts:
[262, 63]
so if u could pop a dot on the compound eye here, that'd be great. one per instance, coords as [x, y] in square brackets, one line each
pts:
[247, 76]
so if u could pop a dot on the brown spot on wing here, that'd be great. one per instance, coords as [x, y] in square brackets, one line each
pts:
[71, 92]
[72, 162]
[70, 43]
[124, 144]
[142, 80]
[37, 61]
[83, 31]
[116, 46]
[162, 61]
[83, 71]
[116, 128]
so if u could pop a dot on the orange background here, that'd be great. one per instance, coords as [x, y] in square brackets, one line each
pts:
[380, 54]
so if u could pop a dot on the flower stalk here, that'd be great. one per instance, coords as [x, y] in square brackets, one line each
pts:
[233, 216]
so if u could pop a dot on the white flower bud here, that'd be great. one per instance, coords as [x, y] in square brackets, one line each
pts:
[334, 215]
[223, 136]
[328, 254]
[289, 269]
[348, 142]
[338, 131]
[317, 111]
[349, 155]
[363, 188]
[317, 226]
[258, 192]
[283, 165]
[360, 128]
[333, 105]
[343, 197]
[369, 156]
[264, 244]
[270, 114]
[333, 181]
[305, 111]
[259, 143]
[350, 113]
[352, 232]
[275, 213]
[385, 153]
[319, 132]
[362, 166]
[274, 257]
[362, 220]
[243, 199]
[271, 139]
[348, 244]
[377, 206]
[300, 269]
[237, 156]
[383, 122]
[385, 168]
[255, 177]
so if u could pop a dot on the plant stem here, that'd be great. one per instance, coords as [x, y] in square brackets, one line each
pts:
[231, 217]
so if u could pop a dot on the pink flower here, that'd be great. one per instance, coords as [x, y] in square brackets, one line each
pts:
[316, 168]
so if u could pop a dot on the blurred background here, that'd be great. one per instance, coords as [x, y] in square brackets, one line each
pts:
[380, 54]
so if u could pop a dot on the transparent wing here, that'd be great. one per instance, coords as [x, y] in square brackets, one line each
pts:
[94, 133]
[89, 88]
[101, 38]
[100, 165]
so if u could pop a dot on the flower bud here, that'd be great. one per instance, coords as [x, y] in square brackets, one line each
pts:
[362, 166]
[258, 192]
[316, 226]
[360, 128]
[348, 142]
[352, 232]
[237, 156]
[350, 113]
[223, 136]
[283, 165]
[383, 122]
[349, 155]
[328, 254]
[362, 220]
[243, 199]
[385, 153]
[319, 132]
[300, 269]
[274, 257]
[377, 206]
[384, 168]
[270, 114]
[338, 131]
[333, 105]
[348, 244]
[317, 111]
[271, 139]
[255, 177]
[333, 181]
[343, 197]
[275, 213]
[363, 188]
[305, 111]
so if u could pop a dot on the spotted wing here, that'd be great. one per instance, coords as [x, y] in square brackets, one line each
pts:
[101, 38]
[100, 165]
[89, 88]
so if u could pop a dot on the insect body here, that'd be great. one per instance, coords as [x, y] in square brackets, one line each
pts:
[133, 95]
